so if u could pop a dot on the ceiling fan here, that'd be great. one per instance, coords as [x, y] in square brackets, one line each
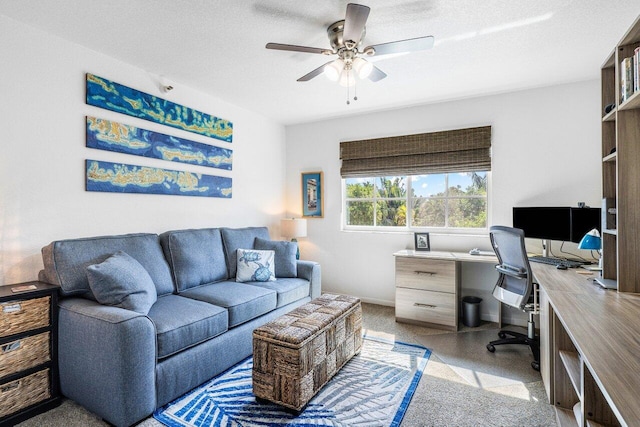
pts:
[346, 38]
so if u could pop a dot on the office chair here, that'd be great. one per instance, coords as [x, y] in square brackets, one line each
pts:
[515, 287]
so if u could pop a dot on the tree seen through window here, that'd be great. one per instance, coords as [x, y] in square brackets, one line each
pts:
[453, 200]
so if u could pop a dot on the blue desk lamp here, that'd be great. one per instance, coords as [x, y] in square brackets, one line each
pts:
[592, 241]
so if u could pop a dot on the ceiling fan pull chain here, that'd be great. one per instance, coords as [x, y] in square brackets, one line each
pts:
[348, 102]
[355, 89]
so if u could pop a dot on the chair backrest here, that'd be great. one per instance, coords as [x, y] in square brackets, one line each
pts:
[515, 281]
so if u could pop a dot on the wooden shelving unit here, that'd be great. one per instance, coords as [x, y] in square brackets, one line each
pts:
[577, 396]
[620, 171]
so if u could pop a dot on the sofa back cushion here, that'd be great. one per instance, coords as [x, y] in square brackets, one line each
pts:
[240, 238]
[196, 257]
[66, 261]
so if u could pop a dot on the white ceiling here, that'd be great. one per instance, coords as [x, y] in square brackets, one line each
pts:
[217, 47]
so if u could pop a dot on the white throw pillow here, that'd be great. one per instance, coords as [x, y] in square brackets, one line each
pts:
[255, 266]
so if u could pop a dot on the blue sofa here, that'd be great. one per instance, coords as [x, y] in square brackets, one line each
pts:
[123, 364]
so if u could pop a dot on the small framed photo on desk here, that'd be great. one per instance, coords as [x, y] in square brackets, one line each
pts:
[421, 241]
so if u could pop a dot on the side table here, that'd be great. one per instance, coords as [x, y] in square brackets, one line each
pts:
[28, 351]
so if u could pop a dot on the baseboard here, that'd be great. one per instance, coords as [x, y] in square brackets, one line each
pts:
[378, 301]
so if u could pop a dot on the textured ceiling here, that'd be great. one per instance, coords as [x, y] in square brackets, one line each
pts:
[217, 47]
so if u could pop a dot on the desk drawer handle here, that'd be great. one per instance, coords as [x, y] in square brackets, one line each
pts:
[419, 304]
[12, 346]
[430, 273]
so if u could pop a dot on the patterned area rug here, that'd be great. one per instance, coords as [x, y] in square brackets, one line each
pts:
[372, 389]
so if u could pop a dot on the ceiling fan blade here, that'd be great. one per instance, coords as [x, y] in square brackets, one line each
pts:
[294, 48]
[354, 22]
[314, 73]
[401, 46]
[376, 74]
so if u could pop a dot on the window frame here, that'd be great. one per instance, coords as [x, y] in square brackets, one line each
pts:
[409, 204]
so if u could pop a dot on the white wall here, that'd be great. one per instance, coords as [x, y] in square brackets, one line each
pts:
[546, 151]
[42, 122]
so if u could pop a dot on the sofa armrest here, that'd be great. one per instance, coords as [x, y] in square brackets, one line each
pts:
[310, 271]
[107, 360]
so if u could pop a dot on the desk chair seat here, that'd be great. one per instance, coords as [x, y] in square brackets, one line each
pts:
[515, 287]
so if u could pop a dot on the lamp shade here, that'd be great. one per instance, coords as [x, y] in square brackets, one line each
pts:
[333, 70]
[362, 67]
[591, 240]
[293, 227]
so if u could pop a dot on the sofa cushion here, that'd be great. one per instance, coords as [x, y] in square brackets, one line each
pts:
[184, 322]
[65, 261]
[240, 238]
[196, 257]
[243, 301]
[285, 255]
[288, 289]
[123, 282]
[255, 266]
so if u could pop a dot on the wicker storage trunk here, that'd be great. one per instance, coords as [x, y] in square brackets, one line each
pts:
[298, 353]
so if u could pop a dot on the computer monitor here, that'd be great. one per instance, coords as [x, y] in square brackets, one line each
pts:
[583, 220]
[556, 223]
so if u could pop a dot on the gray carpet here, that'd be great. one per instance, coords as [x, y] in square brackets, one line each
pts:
[463, 385]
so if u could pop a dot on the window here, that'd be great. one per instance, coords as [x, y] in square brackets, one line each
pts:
[444, 200]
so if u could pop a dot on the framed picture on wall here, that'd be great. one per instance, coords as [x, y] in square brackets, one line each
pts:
[421, 241]
[312, 197]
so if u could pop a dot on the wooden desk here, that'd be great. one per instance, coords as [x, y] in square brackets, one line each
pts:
[590, 349]
[428, 286]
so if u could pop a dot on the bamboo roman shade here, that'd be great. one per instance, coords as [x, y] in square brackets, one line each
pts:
[460, 150]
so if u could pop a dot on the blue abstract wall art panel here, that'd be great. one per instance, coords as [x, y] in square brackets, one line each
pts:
[122, 178]
[113, 96]
[112, 136]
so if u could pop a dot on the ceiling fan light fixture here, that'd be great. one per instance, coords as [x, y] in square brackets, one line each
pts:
[334, 69]
[362, 67]
[347, 79]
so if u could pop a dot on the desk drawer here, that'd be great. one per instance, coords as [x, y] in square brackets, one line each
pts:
[426, 274]
[24, 315]
[426, 306]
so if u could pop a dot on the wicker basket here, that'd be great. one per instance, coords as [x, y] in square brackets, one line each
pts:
[25, 353]
[24, 392]
[21, 316]
[295, 355]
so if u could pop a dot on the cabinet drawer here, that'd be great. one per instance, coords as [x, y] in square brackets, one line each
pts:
[24, 315]
[24, 392]
[426, 306]
[426, 274]
[25, 353]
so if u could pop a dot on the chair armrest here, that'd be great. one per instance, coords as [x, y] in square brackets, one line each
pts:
[107, 360]
[310, 271]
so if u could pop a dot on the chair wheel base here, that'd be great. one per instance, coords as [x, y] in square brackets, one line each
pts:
[491, 348]
[535, 366]
[502, 335]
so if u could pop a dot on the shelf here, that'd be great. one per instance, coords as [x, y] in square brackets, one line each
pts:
[611, 157]
[594, 424]
[565, 417]
[611, 232]
[610, 62]
[610, 116]
[632, 103]
[577, 411]
[571, 362]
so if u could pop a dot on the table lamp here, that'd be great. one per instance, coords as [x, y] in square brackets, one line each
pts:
[292, 228]
[592, 241]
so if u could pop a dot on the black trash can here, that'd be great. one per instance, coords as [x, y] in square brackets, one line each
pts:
[471, 311]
